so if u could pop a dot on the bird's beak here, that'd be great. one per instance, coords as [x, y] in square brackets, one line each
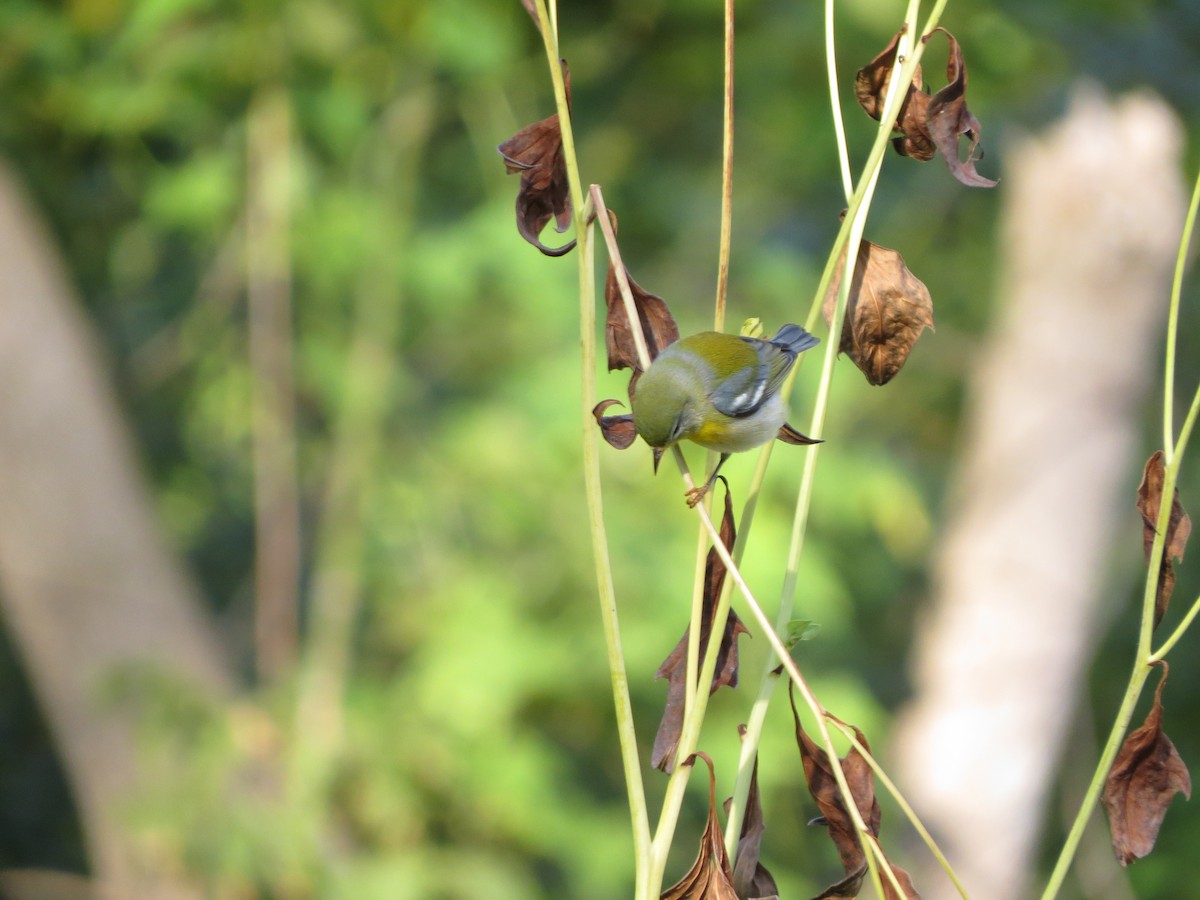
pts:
[658, 454]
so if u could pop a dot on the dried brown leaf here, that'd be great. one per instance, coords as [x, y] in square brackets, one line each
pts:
[1146, 774]
[617, 430]
[887, 309]
[750, 877]
[657, 324]
[870, 88]
[850, 886]
[822, 784]
[947, 118]
[790, 435]
[535, 152]
[926, 123]
[1179, 528]
[674, 667]
[905, 882]
[709, 877]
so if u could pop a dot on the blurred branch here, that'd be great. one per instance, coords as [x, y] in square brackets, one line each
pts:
[358, 430]
[269, 294]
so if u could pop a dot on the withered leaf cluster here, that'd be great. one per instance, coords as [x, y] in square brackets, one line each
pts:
[536, 153]
[1179, 528]
[887, 308]
[822, 784]
[710, 877]
[674, 667]
[927, 123]
[751, 879]
[1144, 777]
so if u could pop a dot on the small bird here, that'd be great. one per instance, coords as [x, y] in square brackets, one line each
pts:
[720, 391]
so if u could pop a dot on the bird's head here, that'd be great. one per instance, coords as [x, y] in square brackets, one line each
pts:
[666, 406]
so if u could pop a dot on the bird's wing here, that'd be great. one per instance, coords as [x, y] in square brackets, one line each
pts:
[742, 394]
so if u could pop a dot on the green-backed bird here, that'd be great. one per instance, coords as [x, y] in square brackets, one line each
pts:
[720, 391]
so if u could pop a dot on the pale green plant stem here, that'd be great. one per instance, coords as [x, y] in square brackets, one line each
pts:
[726, 177]
[1144, 658]
[690, 732]
[1178, 633]
[904, 805]
[835, 102]
[696, 676]
[1173, 319]
[723, 253]
[643, 354]
[585, 251]
[849, 234]
[902, 75]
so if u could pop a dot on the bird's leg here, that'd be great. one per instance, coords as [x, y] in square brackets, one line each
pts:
[695, 495]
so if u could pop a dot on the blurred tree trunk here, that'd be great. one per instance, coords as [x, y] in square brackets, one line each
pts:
[86, 582]
[1050, 467]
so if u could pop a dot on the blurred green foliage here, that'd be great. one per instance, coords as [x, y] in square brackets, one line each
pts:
[479, 756]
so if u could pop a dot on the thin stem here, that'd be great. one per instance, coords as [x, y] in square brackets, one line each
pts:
[835, 103]
[777, 645]
[853, 226]
[675, 787]
[726, 176]
[614, 258]
[1111, 747]
[1185, 433]
[901, 78]
[604, 581]
[907, 809]
[1144, 659]
[585, 249]
[1173, 317]
[549, 29]
[1178, 633]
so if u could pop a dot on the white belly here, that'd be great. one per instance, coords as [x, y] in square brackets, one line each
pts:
[750, 431]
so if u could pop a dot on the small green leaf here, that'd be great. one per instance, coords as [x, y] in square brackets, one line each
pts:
[801, 630]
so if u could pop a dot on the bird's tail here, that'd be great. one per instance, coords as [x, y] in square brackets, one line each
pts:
[794, 339]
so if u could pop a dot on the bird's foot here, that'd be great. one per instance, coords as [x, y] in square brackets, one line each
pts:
[695, 495]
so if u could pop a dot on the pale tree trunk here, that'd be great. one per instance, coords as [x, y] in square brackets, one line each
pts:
[1050, 466]
[86, 581]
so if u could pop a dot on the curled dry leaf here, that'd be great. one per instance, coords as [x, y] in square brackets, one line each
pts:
[535, 152]
[709, 877]
[654, 317]
[790, 435]
[870, 88]
[926, 123]
[751, 879]
[947, 118]
[1146, 774]
[1179, 528]
[674, 667]
[617, 430]
[886, 310]
[822, 784]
